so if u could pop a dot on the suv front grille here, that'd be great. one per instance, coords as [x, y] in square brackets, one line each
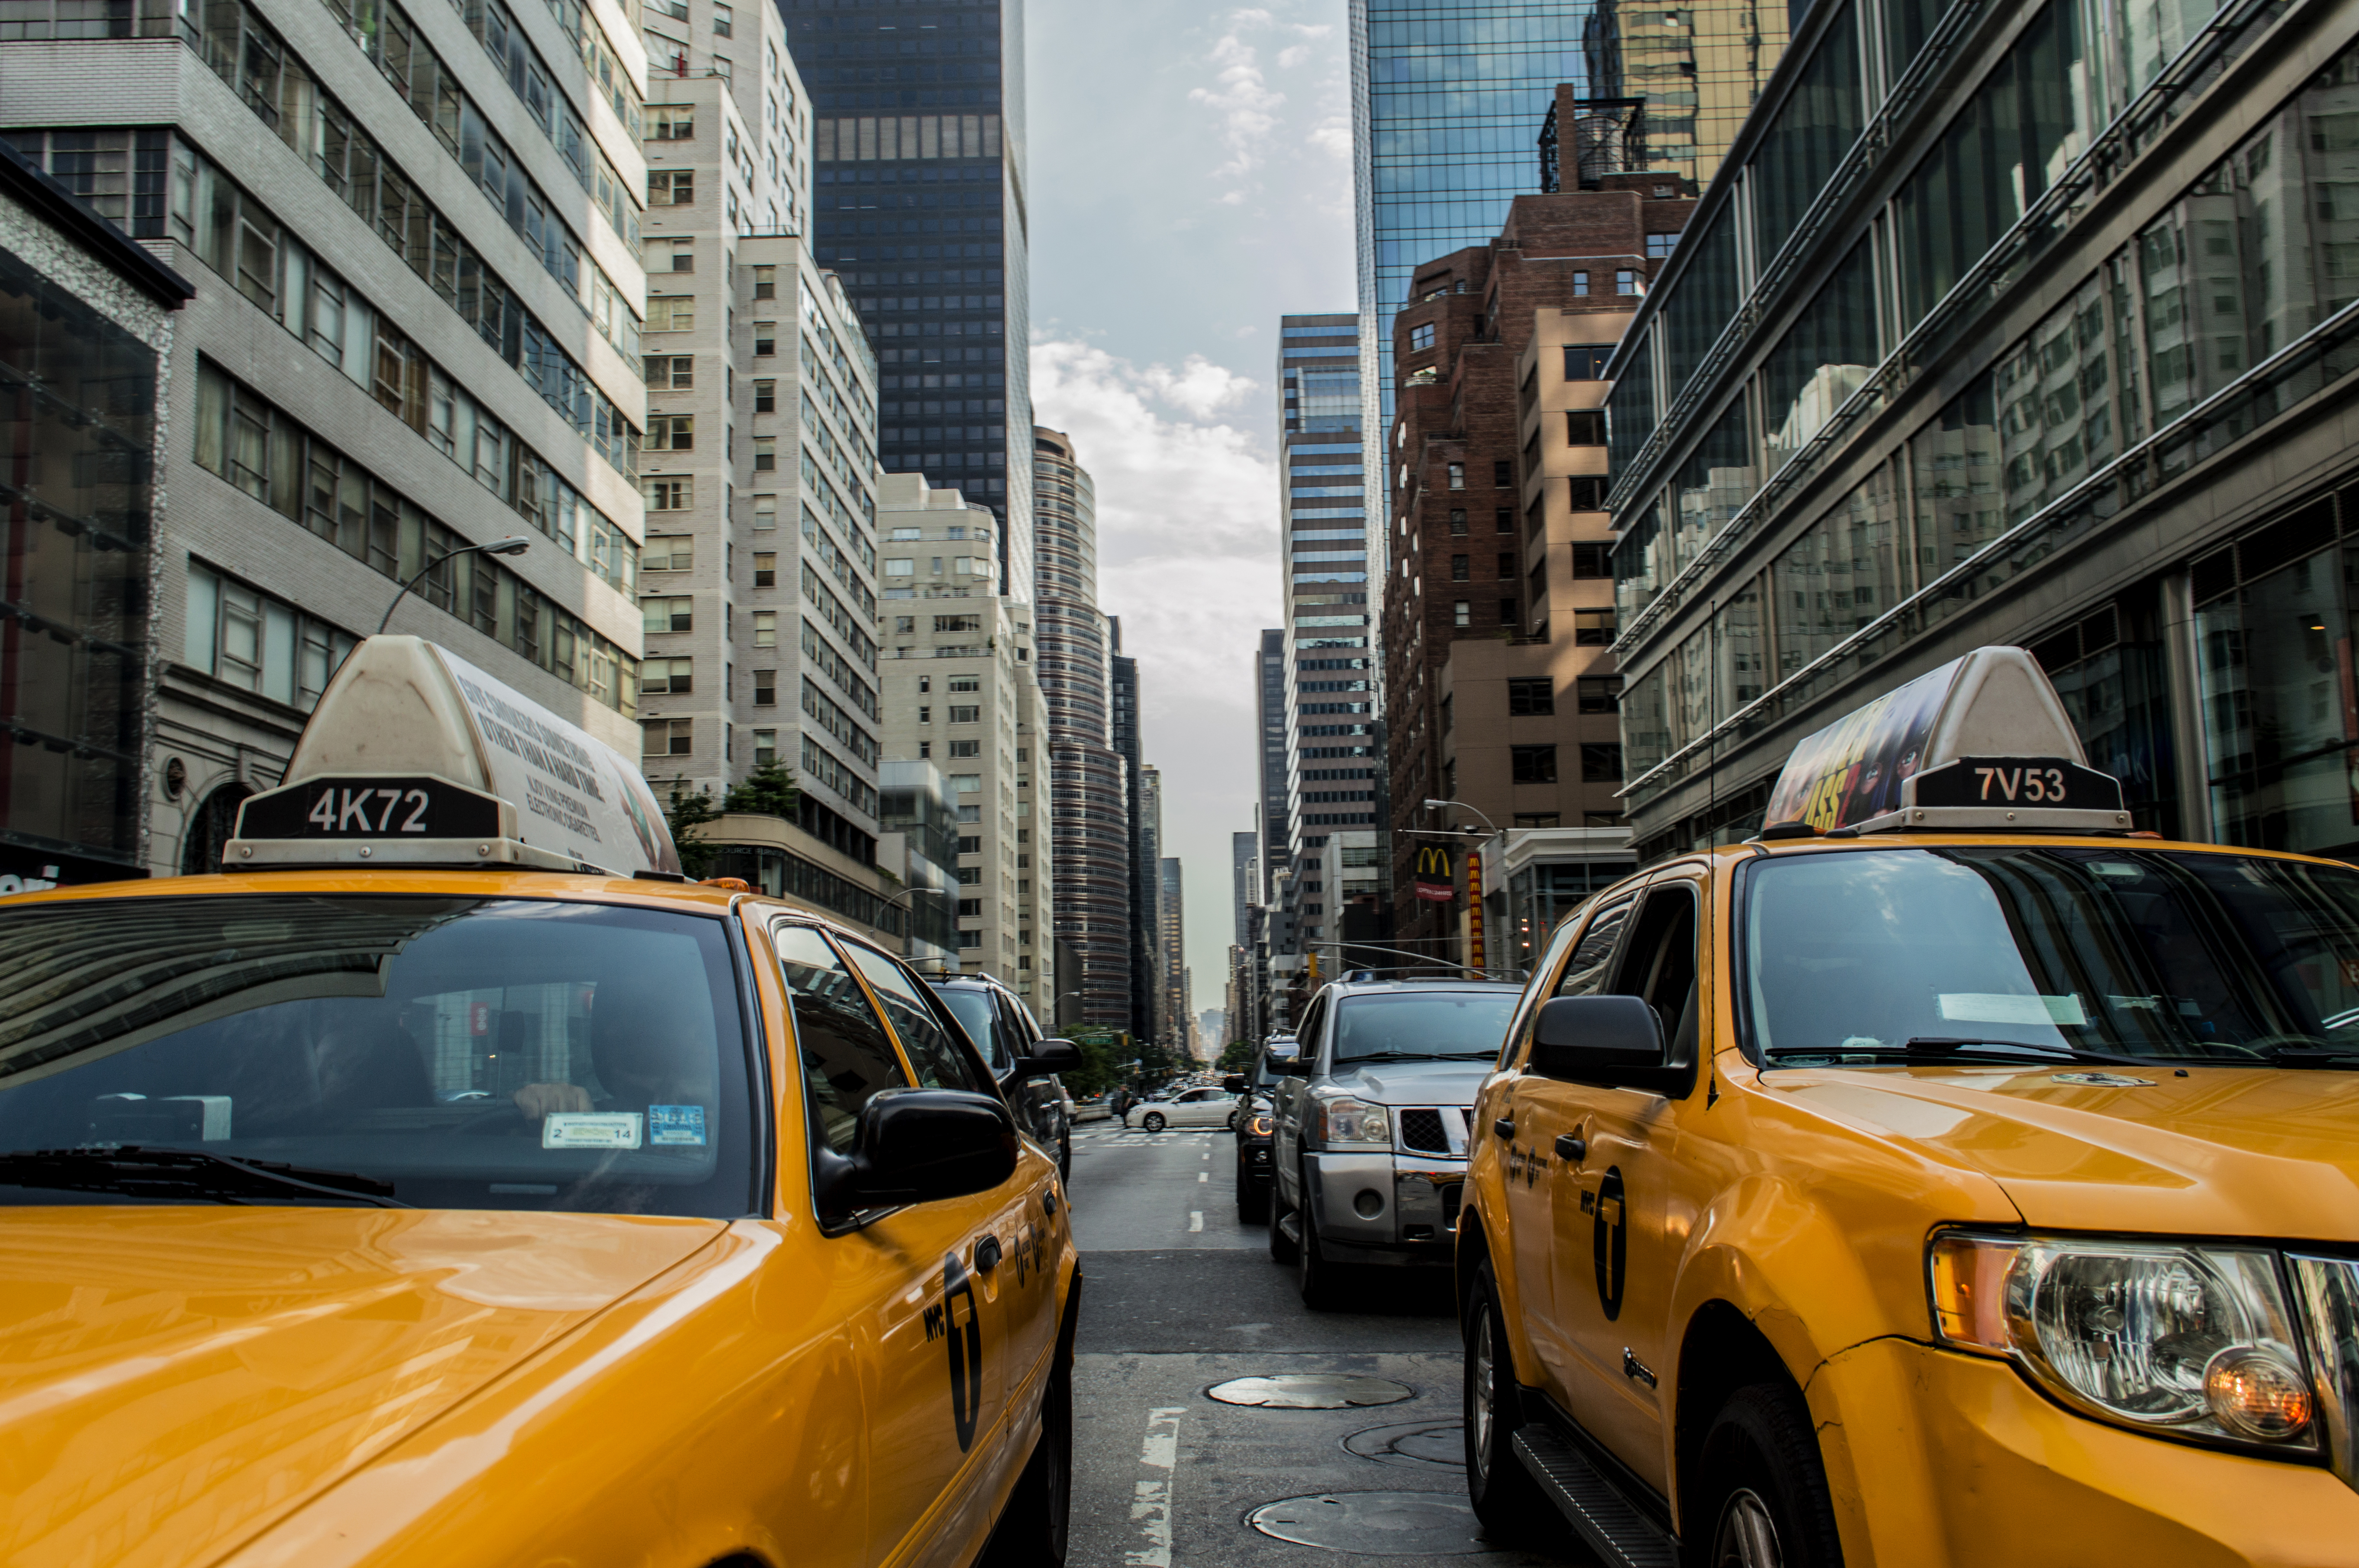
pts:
[1422, 1131]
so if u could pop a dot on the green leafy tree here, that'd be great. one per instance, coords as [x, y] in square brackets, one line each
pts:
[768, 791]
[1237, 1056]
[687, 812]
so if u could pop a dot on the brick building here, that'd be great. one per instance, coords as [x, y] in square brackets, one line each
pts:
[1498, 607]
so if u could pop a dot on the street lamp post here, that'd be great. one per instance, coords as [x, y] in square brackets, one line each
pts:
[1475, 883]
[515, 544]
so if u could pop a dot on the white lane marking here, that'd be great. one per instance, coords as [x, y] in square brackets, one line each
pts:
[1195, 1219]
[1203, 1175]
[1150, 1507]
[1206, 1155]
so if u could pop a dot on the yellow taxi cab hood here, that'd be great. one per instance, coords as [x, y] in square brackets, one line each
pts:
[173, 1379]
[2240, 1151]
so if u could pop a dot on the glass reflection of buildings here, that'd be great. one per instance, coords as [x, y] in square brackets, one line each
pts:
[1965, 409]
[1330, 720]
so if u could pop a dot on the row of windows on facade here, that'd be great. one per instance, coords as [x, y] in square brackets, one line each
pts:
[253, 444]
[2201, 295]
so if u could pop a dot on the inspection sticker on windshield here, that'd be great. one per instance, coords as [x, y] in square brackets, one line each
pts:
[675, 1126]
[1994, 1008]
[591, 1129]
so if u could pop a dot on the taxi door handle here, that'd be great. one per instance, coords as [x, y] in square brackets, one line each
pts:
[1571, 1148]
[1505, 1126]
[986, 1254]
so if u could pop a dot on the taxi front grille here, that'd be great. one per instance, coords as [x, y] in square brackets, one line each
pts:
[1422, 1132]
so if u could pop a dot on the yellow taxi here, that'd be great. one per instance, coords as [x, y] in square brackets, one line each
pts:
[454, 1184]
[1949, 1176]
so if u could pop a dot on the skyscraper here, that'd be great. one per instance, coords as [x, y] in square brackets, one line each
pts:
[918, 203]
[1091, 787]
[1331, 756]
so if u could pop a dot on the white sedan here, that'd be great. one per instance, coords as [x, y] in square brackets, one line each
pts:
[1188, 1108]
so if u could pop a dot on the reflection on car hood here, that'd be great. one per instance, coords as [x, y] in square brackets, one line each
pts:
[173, 1379]
[1412, 1083]
[2225, 1150]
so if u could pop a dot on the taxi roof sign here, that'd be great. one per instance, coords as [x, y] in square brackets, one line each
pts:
[416, 757]
[1982, 742]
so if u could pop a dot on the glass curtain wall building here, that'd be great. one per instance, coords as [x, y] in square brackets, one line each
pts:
[917, 136]
[1330, 751]
[2020, 324]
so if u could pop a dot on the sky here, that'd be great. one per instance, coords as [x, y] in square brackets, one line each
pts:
[1191, 182]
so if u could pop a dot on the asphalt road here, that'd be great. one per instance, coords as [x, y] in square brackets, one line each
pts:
[1178, 1298]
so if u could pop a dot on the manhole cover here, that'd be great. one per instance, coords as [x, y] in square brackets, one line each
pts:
[1310, 1391]
[1374, 1524]
[1414, 1446]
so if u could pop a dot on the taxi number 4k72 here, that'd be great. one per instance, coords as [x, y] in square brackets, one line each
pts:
[373, 808]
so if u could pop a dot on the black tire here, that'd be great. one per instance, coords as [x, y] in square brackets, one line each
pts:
[1759, 1498]
[1507, 1499]
[1252, 1198]
[1034, 1530]
[1281, 1250]
[1065, 1159]
[1152, 1121]
[1318, 1277]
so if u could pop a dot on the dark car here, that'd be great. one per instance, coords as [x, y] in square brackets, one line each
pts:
[1251, 1127]
[1002, 1029]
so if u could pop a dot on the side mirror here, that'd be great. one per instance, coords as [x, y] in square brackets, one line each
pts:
[914, 1146]
[1282, 1065]
[1048, 1058]
[1614, 1042]
[1234, 1083]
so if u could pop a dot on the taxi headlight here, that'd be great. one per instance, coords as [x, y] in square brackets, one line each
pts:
[2195, 1341]
[1344, 1122]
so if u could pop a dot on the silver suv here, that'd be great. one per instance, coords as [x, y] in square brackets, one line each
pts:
[1369, 1138]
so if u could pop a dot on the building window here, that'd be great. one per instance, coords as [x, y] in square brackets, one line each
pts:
[1457, 523]
[1458, 476]
[925, 748]
[1503, 521]
[1626, 281]
[765, 628]
[1537, 819]
[1585, 495]
[668, 615]
[669, 494]
[669, 552]
[1593, 628]
[964, 683]
[766, 283]
[970, 939]
[1660, 247]
[766, 747]
[671, 432]
[1420, 338]
[1532, 764]
[1503, 475]
[900, 568]
[765, 511]
[677, 123]
[765, 397]
[667, 677]
[672, 372]
[1592, 561]
[766, 454]
[1585, 429]
[1587, 364]
[1529, 697]
[1601, 693]
[720, 19]
[766, 688]
[966, 748]
[682, 253]
[1601, 761]
[1506, 565]
[1580, 283]
[1461, 569]
[765, 339]
[1462, 613]
[671, 187]
[667, 737]
[245, 638]
[765, 568]
[966, 713]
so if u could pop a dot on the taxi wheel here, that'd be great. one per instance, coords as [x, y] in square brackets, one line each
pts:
[1152, 1121]
[1505, 1498]
[1763, 1486]
[1065, 1159]
[1032, 1533]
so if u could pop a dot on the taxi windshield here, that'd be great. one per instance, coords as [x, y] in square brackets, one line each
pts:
[1449, 1025]
[2027, 950]
[434, 1052]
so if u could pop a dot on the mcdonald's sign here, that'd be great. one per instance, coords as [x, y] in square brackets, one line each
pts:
[1434, 878]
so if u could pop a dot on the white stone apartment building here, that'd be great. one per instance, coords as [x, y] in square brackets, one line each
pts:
[758, 586]
[414, 231]
[961, 691]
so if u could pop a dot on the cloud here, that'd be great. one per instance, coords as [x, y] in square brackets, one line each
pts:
[1247, 105]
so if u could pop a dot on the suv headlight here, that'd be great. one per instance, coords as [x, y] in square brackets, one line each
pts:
[1258, 1124]
[2192, 1341]
[1344, 1122]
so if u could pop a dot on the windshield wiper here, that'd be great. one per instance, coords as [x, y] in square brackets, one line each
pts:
[1418, 1056]
[139, 1173]
[2313, 1056]
[1940, 1048]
